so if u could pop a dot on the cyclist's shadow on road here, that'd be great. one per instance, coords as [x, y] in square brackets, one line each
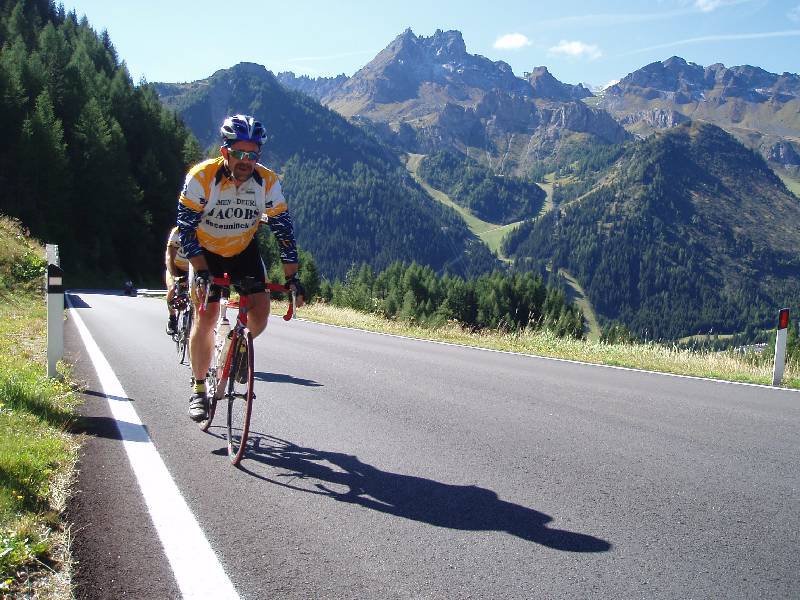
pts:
[283, 378]
[464, 507]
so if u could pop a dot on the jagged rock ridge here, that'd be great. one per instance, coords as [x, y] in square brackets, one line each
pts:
[423, 94]
[760, 108]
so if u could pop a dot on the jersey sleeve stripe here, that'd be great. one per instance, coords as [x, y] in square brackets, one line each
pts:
[283, 230]
[276, 210]
[195, 206]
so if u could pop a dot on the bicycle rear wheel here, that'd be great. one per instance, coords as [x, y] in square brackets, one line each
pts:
[213, 396]
[240, 396]
[182, 336]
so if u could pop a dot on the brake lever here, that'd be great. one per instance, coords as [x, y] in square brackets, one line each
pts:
[205, 297]
[290, 313]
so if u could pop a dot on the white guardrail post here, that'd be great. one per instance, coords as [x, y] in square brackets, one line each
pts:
[780, 346]
[55, 310]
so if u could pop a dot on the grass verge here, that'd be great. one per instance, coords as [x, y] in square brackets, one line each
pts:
[37, 456]
[650, 356]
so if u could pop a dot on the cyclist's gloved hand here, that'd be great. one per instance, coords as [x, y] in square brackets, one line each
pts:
[293, 283]
[202, 279]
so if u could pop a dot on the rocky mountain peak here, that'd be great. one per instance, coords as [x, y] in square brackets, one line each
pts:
[249, 68]
[690, 80]
[411, 63]
[544, 85]
[445, 45]
[674, 63]
[403, 42]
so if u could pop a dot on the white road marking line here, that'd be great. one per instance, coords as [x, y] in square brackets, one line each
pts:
[195, 565]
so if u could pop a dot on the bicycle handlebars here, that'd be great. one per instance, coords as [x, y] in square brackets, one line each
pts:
[225, 282]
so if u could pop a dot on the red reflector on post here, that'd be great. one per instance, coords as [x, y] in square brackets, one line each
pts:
[783, 319]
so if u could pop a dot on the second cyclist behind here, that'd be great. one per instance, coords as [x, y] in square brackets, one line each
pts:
[219, 211]
[177, 265]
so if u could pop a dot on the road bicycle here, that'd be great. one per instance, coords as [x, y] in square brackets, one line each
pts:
[230, 376]
[182, 304]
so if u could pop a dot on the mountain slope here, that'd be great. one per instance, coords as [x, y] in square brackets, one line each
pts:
[428, 94]
[690, 231]
[761, 109]
[316, 87]
[351, 198]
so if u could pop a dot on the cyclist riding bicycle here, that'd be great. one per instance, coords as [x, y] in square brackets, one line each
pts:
[219, 211]
[177, 266]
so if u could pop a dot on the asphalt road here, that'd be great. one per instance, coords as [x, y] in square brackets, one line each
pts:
[386, 467]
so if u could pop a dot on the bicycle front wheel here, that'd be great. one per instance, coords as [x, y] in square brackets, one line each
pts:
[240, 396]
[215, 387]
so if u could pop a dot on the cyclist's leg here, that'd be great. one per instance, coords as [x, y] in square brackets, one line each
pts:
[258, 312]
[172, 322]
[169, 281]
[249, 264]
[201, 347]
[201, 340]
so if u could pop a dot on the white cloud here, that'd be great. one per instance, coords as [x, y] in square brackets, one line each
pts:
[708, 5]
[576, 50]
[794, 14]
[512, 41]
[609, 84]
[712, 5]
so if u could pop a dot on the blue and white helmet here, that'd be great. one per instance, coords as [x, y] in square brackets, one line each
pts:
[242, 128]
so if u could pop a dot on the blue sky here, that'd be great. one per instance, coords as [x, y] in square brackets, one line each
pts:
[579, 41]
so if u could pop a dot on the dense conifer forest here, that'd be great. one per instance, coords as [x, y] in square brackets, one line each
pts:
[89, 160]
[488, 196]
[415, 293]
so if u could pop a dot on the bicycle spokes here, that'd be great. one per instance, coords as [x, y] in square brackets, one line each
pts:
[240, 395]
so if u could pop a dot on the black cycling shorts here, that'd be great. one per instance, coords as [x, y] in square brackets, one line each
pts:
[247, 263]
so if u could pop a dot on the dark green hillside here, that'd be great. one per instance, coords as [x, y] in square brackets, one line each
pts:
[351, 198]
[87, 160]
[488, 196]
[296, 124]
[691, 231]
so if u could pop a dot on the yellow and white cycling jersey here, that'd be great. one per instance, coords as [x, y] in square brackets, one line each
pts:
[174, 239]
[229, 216]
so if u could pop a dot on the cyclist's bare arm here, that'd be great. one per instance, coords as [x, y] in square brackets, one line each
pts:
[172, 252]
